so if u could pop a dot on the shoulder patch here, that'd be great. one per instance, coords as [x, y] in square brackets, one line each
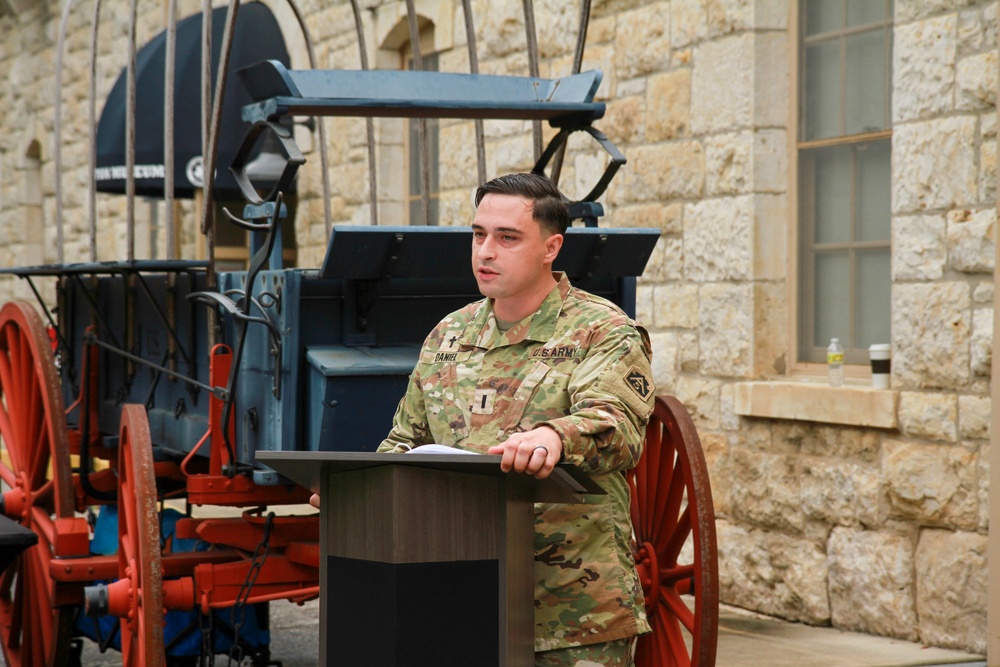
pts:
[638, 382]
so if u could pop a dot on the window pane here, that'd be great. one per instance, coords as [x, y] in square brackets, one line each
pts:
[873, 191]
[831, 298]
[822, 90]
[822, 15]
[872, 318]
[865, 104]
[832, 187]
[860, 12]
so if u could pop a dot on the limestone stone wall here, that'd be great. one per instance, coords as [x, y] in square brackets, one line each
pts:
[877, 530]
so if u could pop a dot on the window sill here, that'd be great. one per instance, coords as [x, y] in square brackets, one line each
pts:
[852, 405]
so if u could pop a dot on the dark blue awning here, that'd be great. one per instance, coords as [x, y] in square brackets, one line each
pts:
[256, 37]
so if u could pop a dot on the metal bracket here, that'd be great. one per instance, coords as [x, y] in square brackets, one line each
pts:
[293, 156]
[617, 159]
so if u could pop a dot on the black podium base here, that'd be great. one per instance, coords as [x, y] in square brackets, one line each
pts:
[441, 614]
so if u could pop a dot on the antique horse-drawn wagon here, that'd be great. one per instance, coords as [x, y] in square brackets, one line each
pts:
[150, 387]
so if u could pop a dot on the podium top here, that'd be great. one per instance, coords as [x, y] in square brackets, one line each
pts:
[566, 484]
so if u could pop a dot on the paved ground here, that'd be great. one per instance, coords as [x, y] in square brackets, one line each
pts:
[745, 640]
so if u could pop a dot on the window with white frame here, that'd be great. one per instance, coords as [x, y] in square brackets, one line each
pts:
[844, 147]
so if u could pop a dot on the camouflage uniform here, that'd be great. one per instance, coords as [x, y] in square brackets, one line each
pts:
[582, 367]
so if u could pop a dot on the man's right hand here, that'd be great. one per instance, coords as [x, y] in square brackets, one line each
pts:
[314, 500]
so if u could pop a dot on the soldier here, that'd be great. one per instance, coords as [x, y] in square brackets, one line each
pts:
[542, 372]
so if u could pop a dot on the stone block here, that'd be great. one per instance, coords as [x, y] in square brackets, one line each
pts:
[729, 163]
[700, 396]
[772, 83]
[931, 327]
[817, 402]
[924, 55]
[981, 344]
[934, 164]
[676, 306]
[756, 435]
[664, 365]
[880, 565]
[988, 172]
[836, 441]
[551, 20]
[666, 261]
[623, 122]
[601, 29]
[722, 96]
[770, 161]
[458, 143]
[983, 293]
[765, 490]
[932, 484]
[668, 105]
[770, 250]
[975, 80]
[500, 30]
[510, 155]
[787, 436]
[974, 417]
[650, 27]
[772, 573]
[983, 473]
[770, 329]
[976, 30]
[970, 240]
[727, 404]
[602, 57]
[929, 415]
[951, 589]
[840, 492]
[644, 305]
[716, 449]
[725, 326]
[663, 172]
[665, 217]
[690, 345]
[717, 239]
[688, 23]
[918, 247]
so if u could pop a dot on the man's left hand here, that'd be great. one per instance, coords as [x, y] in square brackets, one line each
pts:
[535, 452]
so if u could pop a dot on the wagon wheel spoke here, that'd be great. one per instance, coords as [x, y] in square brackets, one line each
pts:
[34, 467]
[671, 509]
[139, 557]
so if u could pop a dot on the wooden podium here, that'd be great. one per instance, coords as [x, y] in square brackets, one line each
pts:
[426, 559]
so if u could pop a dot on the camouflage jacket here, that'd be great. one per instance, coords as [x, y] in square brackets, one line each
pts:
[582, 367]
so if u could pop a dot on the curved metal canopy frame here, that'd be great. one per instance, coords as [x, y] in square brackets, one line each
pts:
[211, 114]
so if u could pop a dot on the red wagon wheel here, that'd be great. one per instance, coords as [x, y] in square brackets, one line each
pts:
[672, 507]
[139, 556]
[37, 487]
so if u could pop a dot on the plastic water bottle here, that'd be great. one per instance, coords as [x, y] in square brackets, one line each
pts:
[835, 362]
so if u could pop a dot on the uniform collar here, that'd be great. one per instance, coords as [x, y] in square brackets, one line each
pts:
[539, 326]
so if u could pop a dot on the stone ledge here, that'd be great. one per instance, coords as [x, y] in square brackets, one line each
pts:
[850, 405]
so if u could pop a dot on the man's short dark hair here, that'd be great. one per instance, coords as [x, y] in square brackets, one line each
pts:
[547, 206]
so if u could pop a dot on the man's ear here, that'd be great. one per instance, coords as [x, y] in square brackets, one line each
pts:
[553, 245]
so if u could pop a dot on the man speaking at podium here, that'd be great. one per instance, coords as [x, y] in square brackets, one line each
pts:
[541, 372]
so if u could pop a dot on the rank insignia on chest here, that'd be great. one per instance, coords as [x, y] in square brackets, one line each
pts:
[482, 403]
[639, 383]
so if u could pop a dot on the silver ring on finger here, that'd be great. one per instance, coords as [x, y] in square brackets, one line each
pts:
[541, 447]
